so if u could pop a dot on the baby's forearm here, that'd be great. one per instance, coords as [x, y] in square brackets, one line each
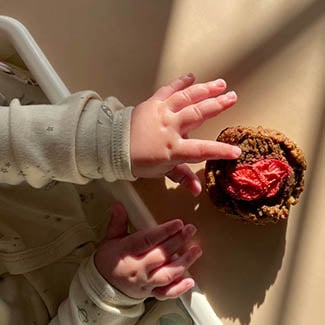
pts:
[92, 300]
[75, 141]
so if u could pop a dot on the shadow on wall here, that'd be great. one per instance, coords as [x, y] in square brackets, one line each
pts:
[243, 294]
[303, 219]
[126, 37]
[283, 35]
[240, 261]
[136, 32]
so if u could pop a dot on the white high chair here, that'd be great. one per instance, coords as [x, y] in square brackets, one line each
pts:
[15, 38]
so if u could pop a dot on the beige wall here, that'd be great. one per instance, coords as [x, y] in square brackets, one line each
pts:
[272, 53]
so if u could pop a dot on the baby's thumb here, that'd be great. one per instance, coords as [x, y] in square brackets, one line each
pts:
[183, 175]
[118, 225]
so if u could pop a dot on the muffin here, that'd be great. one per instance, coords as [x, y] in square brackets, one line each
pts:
[262, 184]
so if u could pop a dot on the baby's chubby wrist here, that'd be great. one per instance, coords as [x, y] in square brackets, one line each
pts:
[99, 289]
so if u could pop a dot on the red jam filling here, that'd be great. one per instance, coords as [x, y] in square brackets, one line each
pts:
[261, 179]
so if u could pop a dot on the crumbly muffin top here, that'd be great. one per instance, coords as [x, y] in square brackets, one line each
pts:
[264, 181]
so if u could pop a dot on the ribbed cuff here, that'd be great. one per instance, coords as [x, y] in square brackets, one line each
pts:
[120, 149]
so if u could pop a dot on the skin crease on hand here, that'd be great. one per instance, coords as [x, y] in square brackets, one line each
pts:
[160, 126]
[145, 264]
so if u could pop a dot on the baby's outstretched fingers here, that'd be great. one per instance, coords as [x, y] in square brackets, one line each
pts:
[146, 239]
[174, 290]
[195, 94]
[118, 225]
[194, 150]
[164, 252]
[169, 273]
[180, 83]
[159, 140]
[184, 175]
[193, 116]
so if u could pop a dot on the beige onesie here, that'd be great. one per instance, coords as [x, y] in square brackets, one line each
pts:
[55, 162]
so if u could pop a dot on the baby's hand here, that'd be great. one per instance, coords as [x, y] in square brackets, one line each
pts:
[160, 127]
[145, 264]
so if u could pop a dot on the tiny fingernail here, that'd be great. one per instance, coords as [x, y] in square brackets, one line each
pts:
[196, 250]
[190, 230]
[236, 151]
[220, 83]
[174, 226]
[178, 224]
[231, 95]
[187, 76]
[190, 284]
[198, 188]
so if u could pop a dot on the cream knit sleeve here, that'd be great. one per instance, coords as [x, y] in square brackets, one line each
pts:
[93, 300]
[80, 139]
